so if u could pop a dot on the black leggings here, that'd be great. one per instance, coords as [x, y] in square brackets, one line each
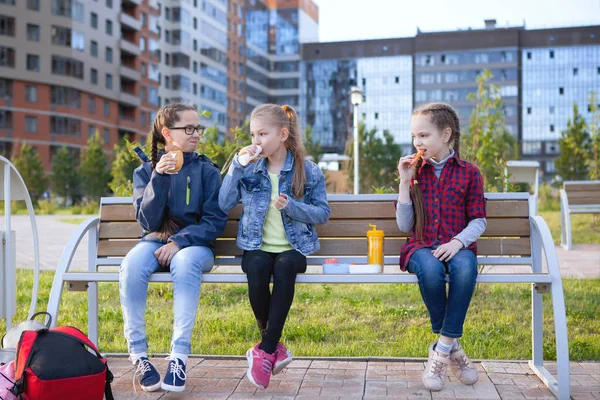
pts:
[271, 309]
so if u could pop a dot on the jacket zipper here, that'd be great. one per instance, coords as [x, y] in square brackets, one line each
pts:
[187, 192]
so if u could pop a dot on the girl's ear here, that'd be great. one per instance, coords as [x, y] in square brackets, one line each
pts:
[446, 134]
[166, 134]
[285, 133]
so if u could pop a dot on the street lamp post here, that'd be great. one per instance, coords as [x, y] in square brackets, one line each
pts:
[356, 97]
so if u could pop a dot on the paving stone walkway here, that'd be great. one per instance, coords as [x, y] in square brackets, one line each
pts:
[214, 378]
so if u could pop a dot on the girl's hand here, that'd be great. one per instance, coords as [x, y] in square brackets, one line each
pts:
[280, 201]
[165, 254]
[448, 250]
[252, 150]
[404, 168]
[165, 163]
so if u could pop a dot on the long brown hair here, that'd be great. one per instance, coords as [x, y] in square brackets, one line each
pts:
[442, 116]
[166, 116]
[285, 117]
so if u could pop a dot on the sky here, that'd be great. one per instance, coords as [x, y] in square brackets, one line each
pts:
[341, 20]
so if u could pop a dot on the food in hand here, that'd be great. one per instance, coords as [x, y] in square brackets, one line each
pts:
[245, 158]
[417, 157]
[178, 156]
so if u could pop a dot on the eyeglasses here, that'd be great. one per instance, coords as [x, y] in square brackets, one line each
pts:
[189, 130]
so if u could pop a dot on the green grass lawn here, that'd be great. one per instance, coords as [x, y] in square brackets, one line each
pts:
[584, 227]
[342, 320]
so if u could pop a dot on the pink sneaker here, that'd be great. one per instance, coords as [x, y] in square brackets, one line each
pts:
[260, 365]
[282, 358]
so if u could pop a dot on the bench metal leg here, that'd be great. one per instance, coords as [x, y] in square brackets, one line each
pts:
[541, 239]
[566, 241]
[92, 288]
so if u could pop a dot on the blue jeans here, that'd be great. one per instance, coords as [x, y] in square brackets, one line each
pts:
[447, 313]
[187, 267]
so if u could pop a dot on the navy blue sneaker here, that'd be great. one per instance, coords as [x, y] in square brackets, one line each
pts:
[175, 376]
[147, 375]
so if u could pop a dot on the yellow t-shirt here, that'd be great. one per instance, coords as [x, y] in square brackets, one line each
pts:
[274, 239]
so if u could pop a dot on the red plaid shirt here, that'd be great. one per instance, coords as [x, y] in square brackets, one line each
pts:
[450, 203]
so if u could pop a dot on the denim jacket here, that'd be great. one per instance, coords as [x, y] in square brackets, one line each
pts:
[252, 185]
[189, 197]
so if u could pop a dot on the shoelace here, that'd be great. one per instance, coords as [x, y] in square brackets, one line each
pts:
[438, 365]
[143, 367]
[462, 362]
[266, 365]
[176, 368]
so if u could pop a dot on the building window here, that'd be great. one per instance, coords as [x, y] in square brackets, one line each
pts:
[575, 71]
[561, 90]
[106, 135]
[551, 53]
[33, 62]
[91, 130]
[7, 26]
[33, 32]
[67, 66]
[143, 93]
[7, 57]
[5, 119]
[397, 79]
[109, 3]
[94, 48]
[31, 125]
[94, 20]
[109, 83]
[31, 94]
[552, 109]
[33, 5]
[142, 44]
[376, 115]
[94, 76]
[529, 55]
[91, 105]
[106, 109]
[109, 27]
[108, 56]
[528, 110]
[551, 128]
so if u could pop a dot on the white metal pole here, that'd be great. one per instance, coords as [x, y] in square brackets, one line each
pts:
[356, 155]
[8, 291]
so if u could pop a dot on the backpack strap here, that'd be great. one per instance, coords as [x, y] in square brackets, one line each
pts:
[24, 348]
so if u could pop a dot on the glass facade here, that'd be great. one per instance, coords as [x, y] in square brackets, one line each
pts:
[386, 83]
[553, 80]
[449, 76]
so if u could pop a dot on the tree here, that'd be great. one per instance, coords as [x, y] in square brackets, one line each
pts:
[221, 150]
[65, 174]
[487, 142]
[125, 162]
[95, 174]
[30, 166]
[313, 147]
[574, 147]
[378, 159]
[593, 161]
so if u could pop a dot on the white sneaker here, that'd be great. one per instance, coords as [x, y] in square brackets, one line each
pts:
[436, 370]
[462, 367]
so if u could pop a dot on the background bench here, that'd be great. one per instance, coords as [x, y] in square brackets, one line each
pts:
[512, 237]
[576, 197]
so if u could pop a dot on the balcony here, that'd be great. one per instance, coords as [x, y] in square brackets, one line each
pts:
[128, 20]
[129, 99]
[136, 2]
[129, 47]
[129, 73]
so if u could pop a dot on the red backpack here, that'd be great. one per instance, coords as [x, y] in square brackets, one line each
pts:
[59, 364]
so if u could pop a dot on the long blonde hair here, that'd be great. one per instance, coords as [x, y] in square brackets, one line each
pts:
[285, 117]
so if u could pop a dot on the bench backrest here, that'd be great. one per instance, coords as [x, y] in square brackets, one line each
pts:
[507, 233]
[582, 192]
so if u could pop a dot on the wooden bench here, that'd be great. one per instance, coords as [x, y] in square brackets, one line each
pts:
[576, 197]
[512, 237]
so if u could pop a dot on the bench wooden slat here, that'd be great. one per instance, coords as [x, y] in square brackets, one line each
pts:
[339, 210]
[581, 187]
[341, 228]
[580, 198]
[333, 247]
